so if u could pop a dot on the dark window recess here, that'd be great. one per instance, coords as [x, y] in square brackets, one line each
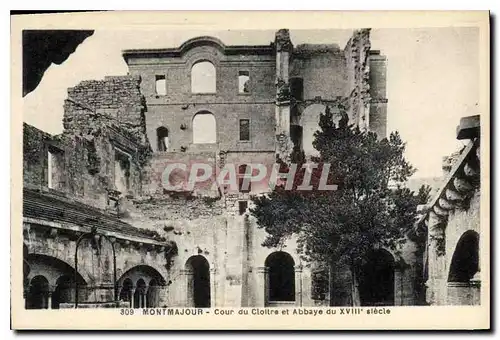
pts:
[243, 172]
[243, 82]
[244, 129]
[162, 138]
[160, 85]
[242, 207]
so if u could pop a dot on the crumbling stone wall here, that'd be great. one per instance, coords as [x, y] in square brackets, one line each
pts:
[358, 75]
[102, 118]
[34, 155]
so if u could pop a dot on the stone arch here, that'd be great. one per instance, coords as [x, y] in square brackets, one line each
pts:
[281, 277]
[204, 128]
[140, 294]
[38, 293]
[126, 291]
[197, 271]
[146, 272]
[152, 294]
[63, 291]
[162, 139]
[376, 279]
[203, 77]
[464, 284]
[465, 261]
[52, 268]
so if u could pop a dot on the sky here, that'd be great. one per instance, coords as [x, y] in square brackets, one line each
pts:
[432, 78]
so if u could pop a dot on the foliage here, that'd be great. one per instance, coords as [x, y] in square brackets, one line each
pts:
[370, 207]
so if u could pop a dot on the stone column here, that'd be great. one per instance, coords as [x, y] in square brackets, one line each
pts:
[298, 285]
[398, 289]
[132, 295]
[49, 300]
[262, 287]
[437, 260]
[186, 289]
[213, 285]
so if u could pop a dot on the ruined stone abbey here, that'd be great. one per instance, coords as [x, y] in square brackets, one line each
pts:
[100, 230]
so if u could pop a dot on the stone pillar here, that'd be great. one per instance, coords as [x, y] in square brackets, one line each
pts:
[132, 295]
[262, 287]
[49, 300]
[298, 285]
[186, 289]
[213, 290]
[284, 48]
[437, 260]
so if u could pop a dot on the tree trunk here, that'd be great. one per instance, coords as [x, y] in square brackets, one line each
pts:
[355, 299]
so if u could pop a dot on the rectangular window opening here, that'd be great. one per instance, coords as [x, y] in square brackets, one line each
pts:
[244, 82]
[242, 207]
[160, 85]
[244, 129]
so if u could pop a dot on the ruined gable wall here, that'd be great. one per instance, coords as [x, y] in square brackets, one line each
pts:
[101, 115]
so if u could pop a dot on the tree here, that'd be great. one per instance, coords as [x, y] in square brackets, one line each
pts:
[370, 206]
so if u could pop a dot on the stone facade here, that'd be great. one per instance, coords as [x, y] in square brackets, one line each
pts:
[103, 176]
[450, 226]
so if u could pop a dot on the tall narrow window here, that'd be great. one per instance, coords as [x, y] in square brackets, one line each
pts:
[244, 172]
[244, 82]
[162, 139]
[203, 78]
[204, 128]
[160, 85]
[244, 129]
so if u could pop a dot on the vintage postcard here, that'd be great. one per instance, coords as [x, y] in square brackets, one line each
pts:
[249, 171]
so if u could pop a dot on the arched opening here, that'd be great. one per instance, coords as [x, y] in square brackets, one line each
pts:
[198, 281]
[204, 128]
[376, 279]
[63, 292]
[126, 291]
[162, 140]
[38, 294]
[140, 294]
[464, 285]
[465, 260]
[281, 276]
[152, 294]
[203, 77]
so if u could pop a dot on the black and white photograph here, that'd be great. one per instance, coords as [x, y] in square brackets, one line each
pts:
[282, 177]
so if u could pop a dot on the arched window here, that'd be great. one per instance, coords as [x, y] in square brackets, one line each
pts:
[376, 280]
[204, 128]
[162, 139]
[281, 273]
[203, 78]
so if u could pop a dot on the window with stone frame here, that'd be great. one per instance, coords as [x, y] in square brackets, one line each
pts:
[160, 85]
[243, 82]
[244, 130]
